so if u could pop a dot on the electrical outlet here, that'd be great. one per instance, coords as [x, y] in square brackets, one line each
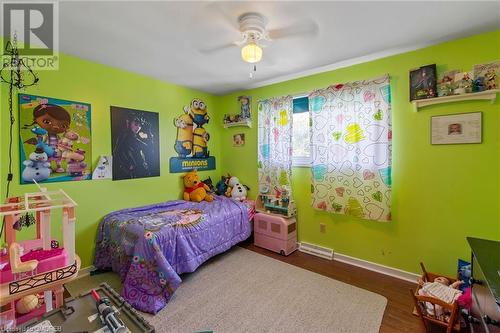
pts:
[322, 227]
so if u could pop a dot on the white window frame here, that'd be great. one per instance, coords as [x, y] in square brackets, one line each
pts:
[301, 161]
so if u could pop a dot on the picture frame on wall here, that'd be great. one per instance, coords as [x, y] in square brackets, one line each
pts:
[462, 128]
[423, 82]
[239, 140]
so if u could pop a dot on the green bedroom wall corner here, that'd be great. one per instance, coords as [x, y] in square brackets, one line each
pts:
[102, 86]
[441, 194]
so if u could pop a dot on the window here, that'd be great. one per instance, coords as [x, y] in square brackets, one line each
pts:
[301, 137]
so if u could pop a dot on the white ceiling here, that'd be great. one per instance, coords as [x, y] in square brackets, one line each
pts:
[163, 39]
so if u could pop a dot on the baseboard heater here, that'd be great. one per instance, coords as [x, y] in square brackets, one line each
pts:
[316, 250]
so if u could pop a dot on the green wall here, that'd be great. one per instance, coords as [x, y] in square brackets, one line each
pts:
[102, 86]
[441, 194]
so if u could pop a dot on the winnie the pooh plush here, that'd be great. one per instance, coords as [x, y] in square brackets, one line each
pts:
[195, 189]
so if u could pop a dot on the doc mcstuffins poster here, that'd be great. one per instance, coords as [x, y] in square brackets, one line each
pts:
[55, 140]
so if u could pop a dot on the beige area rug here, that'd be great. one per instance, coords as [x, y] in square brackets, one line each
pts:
[243, 291]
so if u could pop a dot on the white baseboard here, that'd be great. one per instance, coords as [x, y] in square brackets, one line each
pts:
[327, 253]
[316, 250]
[390, 271]
[85, 271]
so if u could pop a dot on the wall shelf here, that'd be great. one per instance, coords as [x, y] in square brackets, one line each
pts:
[490, 95]
[243, 123]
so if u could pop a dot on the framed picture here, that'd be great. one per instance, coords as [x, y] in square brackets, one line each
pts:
[135, 143]
[55, 140]
[423, 82]
[239, 140]
[456, 129]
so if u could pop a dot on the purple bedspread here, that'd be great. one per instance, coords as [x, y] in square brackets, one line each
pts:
[150, 246]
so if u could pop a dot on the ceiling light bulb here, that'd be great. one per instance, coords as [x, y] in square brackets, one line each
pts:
[251, 53]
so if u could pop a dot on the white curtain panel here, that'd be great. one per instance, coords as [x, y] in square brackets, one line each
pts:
[351, 148]
[275, 143]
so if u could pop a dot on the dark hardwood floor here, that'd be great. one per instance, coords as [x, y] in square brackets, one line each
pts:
[398, 317]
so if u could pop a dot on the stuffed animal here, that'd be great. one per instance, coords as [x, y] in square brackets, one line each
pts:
[195, 189]
[236, 190]
[221, 186]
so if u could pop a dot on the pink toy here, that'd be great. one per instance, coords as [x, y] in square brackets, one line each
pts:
[275, 233]
[35, 268]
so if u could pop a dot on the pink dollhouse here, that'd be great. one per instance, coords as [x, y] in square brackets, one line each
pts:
[33, 271]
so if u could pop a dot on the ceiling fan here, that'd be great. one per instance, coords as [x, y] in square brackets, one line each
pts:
[255, 35]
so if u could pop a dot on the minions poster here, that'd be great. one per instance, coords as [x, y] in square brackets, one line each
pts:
[55, 140]
[135, 143]
[191, 143]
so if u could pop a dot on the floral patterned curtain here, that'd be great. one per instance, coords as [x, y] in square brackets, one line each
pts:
[351, 137]
[275, 143]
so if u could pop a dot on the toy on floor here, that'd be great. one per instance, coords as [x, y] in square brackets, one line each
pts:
[108, 314]
[236, 190]
[33, 272]
[84, 314]
[436, 299]
[195, 189]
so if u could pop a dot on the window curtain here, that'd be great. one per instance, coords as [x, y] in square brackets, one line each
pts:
[351, 146]
[275, 144]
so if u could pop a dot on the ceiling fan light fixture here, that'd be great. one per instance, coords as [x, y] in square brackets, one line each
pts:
[251, 53]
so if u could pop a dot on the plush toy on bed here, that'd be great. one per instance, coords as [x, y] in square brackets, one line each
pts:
[236, 190]
[195, 189]
[221, 186]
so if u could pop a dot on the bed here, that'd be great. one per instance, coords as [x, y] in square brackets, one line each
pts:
[150, 246]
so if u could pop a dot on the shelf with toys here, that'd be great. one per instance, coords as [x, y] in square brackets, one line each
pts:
[240, 123]
[480, 83]
[490, 95]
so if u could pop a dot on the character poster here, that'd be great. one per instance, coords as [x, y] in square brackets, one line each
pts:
[135, 143]
[191, 143]
[55, 139]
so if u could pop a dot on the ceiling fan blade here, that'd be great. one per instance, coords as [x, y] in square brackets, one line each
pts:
[218, 48]
[303, 28]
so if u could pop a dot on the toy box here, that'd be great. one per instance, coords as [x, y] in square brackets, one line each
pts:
[275, 233]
